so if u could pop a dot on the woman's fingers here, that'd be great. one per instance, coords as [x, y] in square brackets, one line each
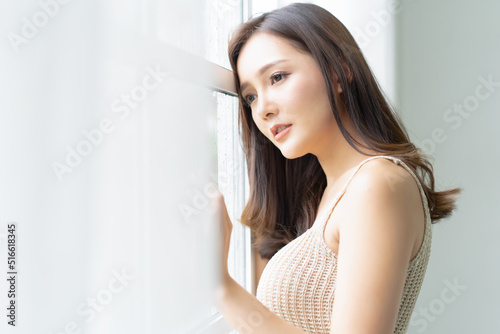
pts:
[219, 231]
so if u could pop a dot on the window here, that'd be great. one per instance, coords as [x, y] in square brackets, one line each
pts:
[231, 177]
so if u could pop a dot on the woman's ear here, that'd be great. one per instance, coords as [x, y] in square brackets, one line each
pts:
[348, 71]
[338, 86]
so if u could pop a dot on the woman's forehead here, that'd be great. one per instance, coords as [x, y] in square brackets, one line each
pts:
[261, 50]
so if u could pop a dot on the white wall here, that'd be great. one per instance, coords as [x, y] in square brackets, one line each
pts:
[445, 49]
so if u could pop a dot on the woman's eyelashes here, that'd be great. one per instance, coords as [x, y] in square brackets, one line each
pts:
[250, 98]
[275, 77]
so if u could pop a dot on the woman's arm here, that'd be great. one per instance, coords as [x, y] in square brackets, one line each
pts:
[238, 306]
[247, 314]
[384, 213]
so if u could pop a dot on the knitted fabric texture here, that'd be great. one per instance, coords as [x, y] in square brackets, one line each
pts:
[298, 283]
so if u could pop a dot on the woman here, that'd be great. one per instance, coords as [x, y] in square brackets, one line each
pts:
[338, 201]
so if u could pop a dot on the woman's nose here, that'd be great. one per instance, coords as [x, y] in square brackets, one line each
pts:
[265, 106]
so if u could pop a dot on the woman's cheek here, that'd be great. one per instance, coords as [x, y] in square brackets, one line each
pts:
[262, 128]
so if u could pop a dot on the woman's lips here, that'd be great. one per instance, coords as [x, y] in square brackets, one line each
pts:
[283, 132]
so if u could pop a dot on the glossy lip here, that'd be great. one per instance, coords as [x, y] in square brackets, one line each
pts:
[274, 128]
[283, 133]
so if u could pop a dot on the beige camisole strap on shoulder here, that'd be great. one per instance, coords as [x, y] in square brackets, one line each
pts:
[298, 283]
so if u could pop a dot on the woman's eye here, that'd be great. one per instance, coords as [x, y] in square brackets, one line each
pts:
[249, 99]
[277, 77]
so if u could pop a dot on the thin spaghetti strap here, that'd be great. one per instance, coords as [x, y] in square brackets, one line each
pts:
[324, 218]
[397, 161]
[421, 189]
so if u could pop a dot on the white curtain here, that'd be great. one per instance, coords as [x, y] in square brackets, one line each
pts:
[103, 141]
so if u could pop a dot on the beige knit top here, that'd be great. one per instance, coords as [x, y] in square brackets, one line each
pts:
[298, 283]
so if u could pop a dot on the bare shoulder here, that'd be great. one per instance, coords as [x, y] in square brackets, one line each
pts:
[389, 197]
[384, 180]
[380, 229]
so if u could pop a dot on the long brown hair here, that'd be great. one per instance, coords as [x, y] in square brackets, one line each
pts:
[285, 194]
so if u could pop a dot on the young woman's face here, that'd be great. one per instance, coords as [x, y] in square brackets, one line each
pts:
[285, 86]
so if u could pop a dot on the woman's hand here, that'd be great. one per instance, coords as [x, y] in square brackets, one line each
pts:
[237, 304]
[221, 231]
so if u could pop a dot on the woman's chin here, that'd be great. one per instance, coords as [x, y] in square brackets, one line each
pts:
[291, 154]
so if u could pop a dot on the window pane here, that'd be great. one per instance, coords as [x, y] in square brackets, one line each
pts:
[222, 16]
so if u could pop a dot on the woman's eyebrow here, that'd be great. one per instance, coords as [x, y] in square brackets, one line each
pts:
[262, 70]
